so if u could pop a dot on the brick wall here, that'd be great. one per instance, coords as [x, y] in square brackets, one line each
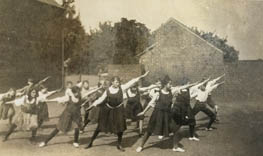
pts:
[182, 55]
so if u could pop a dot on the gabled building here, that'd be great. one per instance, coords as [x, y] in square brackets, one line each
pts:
[181, 54]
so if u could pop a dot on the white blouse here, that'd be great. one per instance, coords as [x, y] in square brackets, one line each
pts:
[203, 95]
[42, 97]
[24, 99]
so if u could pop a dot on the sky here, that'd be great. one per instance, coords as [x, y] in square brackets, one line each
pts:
[241, 21]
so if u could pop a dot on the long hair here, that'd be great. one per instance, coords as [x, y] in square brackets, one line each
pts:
[29, 96]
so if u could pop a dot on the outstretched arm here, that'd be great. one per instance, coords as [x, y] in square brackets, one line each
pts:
[100, 99]
[21, 91]
[91, 91]
[145, 89]
[179, 88]
[209, 90]
[62, 99]
[42, 81]
[195, 87]
[126, 86]
[202, 83]
[51, 93]
[152, 103]
[212, 82]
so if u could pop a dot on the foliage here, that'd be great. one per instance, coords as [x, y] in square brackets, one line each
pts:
[74, 37]
[230, 53]
[116, 44]
[131, 38]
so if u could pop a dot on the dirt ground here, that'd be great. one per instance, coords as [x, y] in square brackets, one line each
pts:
[239, 133]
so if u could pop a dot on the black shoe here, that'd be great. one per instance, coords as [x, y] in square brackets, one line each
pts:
[120, 148]
[89, 146]
[140, 135]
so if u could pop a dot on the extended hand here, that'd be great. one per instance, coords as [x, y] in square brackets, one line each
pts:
[90, 107]
[145, 74]
[45, 79]
[140, 114]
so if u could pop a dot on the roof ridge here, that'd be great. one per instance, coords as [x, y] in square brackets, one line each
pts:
[171, 19]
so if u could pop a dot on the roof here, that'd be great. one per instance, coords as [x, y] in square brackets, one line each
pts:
[50, 2]
[174, 21]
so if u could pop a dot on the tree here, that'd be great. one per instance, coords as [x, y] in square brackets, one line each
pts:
[100, 46]
[131, 38]
[74, 35]
[230, 53]
[116, 44]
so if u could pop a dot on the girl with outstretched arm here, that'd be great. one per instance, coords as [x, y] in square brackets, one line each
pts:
[112, 114]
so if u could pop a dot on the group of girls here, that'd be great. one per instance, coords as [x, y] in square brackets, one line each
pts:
[110, 104]
[172, 109]
[32, 109]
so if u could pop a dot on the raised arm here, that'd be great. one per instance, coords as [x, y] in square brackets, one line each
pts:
[51, 93]
[195, 87]
[100, 99]
[202, 83]
[212, 82]
[42, 81]
[210, 89]
[179, 88]
[152, 103]
[62, 99]
[126, 86]
[145, 89]
[95, 87]
[91, 91]
[21, 91]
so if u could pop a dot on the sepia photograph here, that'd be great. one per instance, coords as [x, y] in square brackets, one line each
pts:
[131, 77]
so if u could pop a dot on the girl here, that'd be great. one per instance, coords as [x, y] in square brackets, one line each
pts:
[70, 117]
[134, 106]
[183, 113]
[43, 114]
[161, 122]
[94, 113]
[112, 117]
[201, 96]
[31, 84]
[85, 91]
[7, 111]
[210, 101]
[26, 119]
